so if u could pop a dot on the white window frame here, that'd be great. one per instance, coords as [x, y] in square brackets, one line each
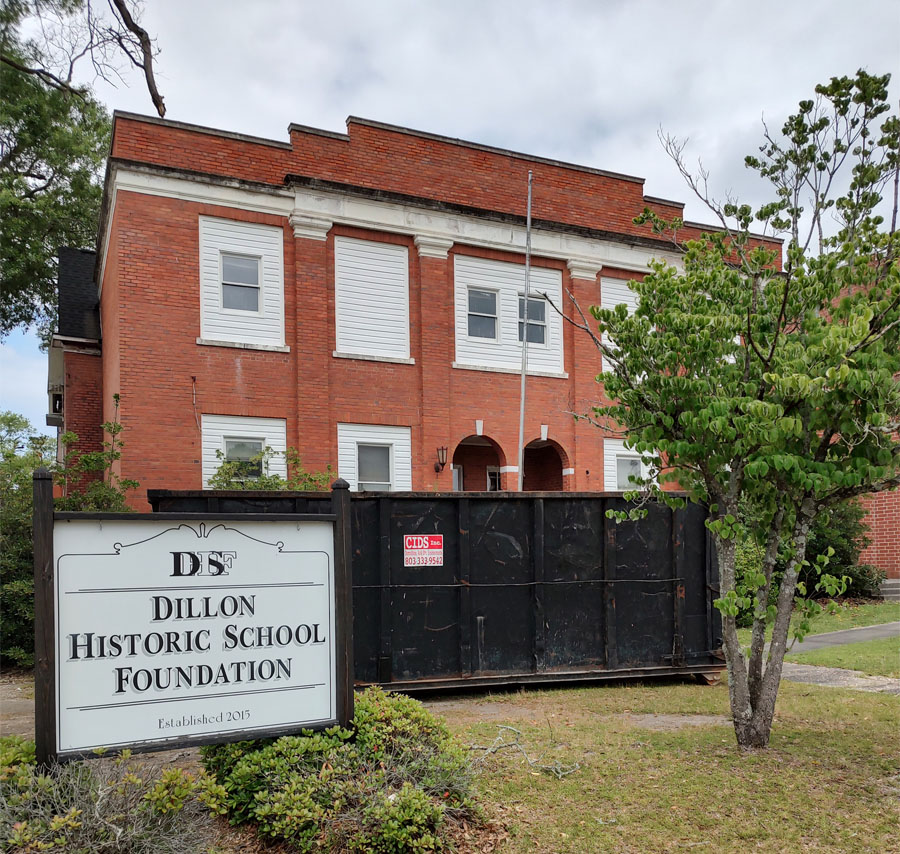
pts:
[390, 482]
[489, 470]
[495, 315]
[504, 353]
[263, 329]
[215, 429]
[526, 322]
[457, 478]
[262, 442]
[350, 435]
[222, 283]
[613, 450]
[641, 466]
[352, 326]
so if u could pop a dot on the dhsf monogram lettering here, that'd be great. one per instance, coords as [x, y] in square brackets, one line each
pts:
[202, 563]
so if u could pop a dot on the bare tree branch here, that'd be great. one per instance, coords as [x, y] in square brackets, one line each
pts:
[146, 46]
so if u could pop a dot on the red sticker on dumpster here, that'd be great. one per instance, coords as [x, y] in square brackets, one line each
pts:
[423, 549]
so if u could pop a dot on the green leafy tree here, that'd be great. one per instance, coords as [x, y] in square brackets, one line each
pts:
[751, 385]
[21, 451]
[52, 148]
[88, 482]
[54, 138]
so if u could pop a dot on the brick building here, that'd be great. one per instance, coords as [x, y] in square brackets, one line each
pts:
[357, 296]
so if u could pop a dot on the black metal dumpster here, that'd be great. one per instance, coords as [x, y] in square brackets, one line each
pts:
[532, 587]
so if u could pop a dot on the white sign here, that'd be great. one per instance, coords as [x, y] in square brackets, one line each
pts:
[167, 631]
[423, 549]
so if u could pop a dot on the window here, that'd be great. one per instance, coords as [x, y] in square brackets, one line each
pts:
[240, 438]
[482, 314]
[620, 464]
[371, 309]
[537, 320]
[626, 469]
[457, 478]
[240, 282]
[247, 453]
[490, 317]
[493, 479]
[373, 467]
[375, 456]
[613, 292]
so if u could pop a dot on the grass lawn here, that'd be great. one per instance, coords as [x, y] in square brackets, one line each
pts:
[660, 771]
[851, 615]
[879, 657]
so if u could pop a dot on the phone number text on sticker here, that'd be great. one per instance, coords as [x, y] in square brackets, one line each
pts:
[424, 560]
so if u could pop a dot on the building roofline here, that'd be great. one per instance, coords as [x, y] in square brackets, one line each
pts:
[294, 127]
[241, 137]
[661, 201]
[506, 152]
[707, 227]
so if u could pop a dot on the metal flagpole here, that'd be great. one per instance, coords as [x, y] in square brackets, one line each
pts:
[525, 335]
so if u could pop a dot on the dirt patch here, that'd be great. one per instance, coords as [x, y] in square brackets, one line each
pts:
[665, 723]
[17, 704]
[475, 709]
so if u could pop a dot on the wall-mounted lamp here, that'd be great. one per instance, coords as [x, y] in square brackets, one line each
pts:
[442, 459]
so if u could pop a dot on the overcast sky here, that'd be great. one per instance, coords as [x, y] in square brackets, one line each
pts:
[588, 81]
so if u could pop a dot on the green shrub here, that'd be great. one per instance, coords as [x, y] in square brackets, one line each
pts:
[103, 806]
[255, 473]
[389, 784]
[402, 821]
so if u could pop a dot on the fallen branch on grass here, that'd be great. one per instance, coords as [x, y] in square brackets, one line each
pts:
[558, 769]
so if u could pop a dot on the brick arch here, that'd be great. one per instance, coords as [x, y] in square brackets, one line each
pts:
[543, 464]
[474, 454]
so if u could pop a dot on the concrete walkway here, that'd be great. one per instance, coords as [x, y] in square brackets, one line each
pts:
[811, 642]
[837, 677]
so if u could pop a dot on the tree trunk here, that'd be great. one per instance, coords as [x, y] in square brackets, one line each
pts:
[753, 730]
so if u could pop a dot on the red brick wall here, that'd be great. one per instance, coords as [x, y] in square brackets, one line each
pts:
[884, 530]
[543, 470]
[151, 358]
[82, 406]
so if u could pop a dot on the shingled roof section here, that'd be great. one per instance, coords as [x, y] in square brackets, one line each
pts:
[79, 309]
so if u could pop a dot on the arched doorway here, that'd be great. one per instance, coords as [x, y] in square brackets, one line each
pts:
[477, 464]
[543, 466]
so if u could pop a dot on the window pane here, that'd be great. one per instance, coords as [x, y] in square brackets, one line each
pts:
[239, 269]
[482, 327]
[535, 333]
[240, 297]
[536, 309]
[626, 468]
[374, 486]
[483, 302]
[243, 451]
[493, 480]
[374, 466]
